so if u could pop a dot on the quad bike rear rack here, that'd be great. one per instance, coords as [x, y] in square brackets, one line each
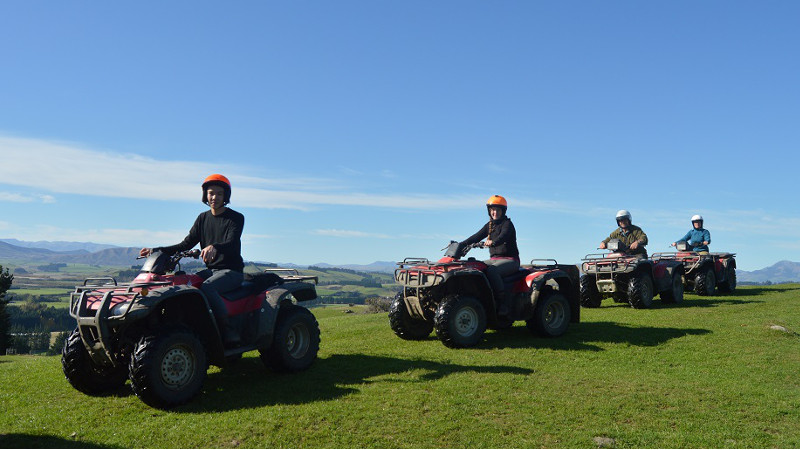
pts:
[548, 260]
[293, 275]
[691, 260]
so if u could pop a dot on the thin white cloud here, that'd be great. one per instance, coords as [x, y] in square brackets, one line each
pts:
[23, 198]
[72, 169]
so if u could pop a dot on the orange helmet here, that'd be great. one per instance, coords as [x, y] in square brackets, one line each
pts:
[217, 180]
[497, 200]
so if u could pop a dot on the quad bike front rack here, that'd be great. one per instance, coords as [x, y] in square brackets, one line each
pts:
[93, 325]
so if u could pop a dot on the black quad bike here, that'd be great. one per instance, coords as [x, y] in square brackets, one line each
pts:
[704, 272]
[454, 297]
[627, 278]
[159, 332]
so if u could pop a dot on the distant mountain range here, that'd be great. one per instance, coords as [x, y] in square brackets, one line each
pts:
[780, 272]
[113, 256]
[46, 252]
[60, 246]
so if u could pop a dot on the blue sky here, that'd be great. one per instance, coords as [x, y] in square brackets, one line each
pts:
[356, 131]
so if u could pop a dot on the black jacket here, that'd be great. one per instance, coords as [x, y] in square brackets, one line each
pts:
[504, 238]
[224, 232]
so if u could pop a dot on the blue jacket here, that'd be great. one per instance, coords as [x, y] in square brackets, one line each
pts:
[696, 238]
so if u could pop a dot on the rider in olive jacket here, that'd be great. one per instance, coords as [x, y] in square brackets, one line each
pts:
[632, 236]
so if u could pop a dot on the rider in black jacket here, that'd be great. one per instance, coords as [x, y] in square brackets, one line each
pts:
[501, 239]
[219, 233]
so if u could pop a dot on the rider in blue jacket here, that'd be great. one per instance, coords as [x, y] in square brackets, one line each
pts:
[698, 237]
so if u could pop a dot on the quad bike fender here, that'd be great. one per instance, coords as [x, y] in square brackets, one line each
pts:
[300, 290]
[273, 300]
[186, 305]
[567, 283]
[663, 271]
[722, 265]
[701, 265]
[474, 283]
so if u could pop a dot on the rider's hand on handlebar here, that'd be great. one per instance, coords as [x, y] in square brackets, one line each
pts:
[208, 254]
[145, 252]
[602, 246]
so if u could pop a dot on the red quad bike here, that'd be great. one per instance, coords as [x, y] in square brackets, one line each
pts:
[704, 273]
[159, 331]
[454, 297]
[628, 278]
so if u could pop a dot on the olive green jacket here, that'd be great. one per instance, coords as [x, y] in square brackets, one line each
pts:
[628, 237]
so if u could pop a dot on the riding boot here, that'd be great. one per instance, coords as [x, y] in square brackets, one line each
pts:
[230, 334]
[502, 308]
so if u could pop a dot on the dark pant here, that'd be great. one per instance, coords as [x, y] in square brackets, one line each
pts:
[499, 268]
[216, 282]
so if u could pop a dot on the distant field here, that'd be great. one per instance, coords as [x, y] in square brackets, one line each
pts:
[709, 373]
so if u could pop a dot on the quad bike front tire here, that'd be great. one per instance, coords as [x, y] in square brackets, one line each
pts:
[168, 369]
[295, 343]
[460, 321]
[551, 316]
[405, 326]
[589, 295]
[640, 290]
[706, 282]
[84, 374]
[675, 292]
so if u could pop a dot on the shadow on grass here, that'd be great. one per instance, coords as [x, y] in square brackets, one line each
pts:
[20, 440]
[751, 291]
[585, 336]
[710, 302]
[695, 301]
[249, 385]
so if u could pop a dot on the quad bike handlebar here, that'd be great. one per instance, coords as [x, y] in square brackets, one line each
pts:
[160, 263]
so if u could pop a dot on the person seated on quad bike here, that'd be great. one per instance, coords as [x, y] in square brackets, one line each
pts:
[629, 234]
[219, 233]
[698, 237]
[501, 239]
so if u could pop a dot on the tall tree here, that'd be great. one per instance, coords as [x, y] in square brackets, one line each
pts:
[5, 322]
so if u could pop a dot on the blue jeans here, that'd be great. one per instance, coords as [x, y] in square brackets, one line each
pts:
[217, 281]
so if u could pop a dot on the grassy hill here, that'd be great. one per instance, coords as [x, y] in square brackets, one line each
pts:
[708, 373]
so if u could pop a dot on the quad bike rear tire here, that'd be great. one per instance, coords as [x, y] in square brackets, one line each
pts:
[460, 321]
[675, 292]
[405, 326]
[168, 369]
[640, 290]
[729, 285]
[589, 295]
[84, 374]
[706, 282]
[296, 341]
[551, 316]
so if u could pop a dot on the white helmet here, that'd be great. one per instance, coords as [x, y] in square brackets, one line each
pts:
[697, 218]
[622, 213]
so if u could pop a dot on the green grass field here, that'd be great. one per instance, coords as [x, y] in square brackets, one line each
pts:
[709, 373]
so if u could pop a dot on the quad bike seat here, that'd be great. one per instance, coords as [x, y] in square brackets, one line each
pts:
[514, 277]
[252, 285]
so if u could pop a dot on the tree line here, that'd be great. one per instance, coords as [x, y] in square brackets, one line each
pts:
[33, 322]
